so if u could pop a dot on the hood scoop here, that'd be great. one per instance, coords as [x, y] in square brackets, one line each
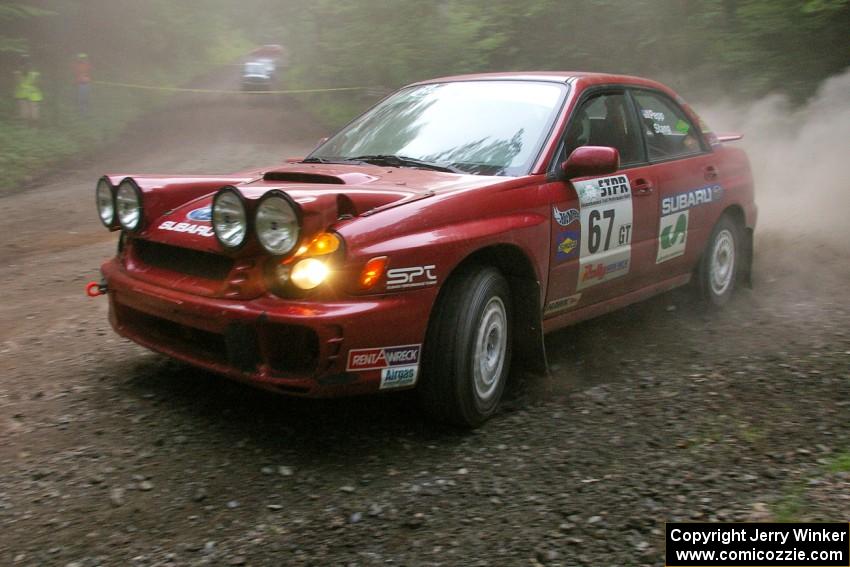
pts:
[348, 178]
[301, 177]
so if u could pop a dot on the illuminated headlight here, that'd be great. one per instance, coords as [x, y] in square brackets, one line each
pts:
[276, 224]
[105, 204]
[229, 219]
[309, 273]
[128, 205]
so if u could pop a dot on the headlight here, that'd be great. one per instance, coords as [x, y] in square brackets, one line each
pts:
[128, 202]
[105, 203]
[309, 273]
[229, 219]
[276, 224]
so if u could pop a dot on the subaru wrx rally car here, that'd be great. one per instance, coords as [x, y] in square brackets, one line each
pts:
[433, 241]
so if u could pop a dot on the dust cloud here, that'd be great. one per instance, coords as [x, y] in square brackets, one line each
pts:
[800, 157]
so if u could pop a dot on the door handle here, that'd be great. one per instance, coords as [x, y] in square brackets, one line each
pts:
[711, 173]
[642, 187]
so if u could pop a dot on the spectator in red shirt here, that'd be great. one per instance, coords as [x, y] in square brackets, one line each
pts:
[82, 73]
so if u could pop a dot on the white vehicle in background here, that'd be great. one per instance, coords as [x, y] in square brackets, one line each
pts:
[258, 75]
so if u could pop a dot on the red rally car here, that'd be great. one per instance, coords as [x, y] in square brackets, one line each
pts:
[434, 240]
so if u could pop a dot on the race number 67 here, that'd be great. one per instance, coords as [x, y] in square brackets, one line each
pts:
[595, 230]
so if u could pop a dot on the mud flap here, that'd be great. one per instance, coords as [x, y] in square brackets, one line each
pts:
[529, 348]
[745, 275]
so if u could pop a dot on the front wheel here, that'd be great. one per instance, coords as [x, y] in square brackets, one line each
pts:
[468, 348]
[718, 269]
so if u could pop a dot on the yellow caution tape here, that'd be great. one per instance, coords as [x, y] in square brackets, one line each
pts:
[217, 91]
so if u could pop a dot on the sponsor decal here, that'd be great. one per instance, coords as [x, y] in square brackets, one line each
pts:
[606, 229]
[594, 273]
[398, 377]
[690, 199]
[568, 245]
[662, 129]
[202, 214]
[383, 357]
[672, 236]
[603, 190]
[198, 229]
[658, 119]
[565, 218]
[414, 276]
[562, 304]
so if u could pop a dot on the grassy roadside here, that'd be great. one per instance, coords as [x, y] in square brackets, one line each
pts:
[63, 134]
[802, 499]
[27, 151]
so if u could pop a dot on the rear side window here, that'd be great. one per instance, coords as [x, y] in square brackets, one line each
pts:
[668, 131]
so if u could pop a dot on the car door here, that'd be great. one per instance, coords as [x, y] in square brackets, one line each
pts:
[603, 228]
[687, 180]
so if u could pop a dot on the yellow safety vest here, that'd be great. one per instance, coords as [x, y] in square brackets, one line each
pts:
[27, 87]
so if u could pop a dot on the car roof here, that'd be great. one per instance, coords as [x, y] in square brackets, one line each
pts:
[552, 77]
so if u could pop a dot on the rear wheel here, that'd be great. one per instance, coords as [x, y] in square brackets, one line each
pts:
[718, 270]
[468, 348]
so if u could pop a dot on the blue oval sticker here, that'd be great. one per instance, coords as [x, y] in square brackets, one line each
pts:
[202, 214]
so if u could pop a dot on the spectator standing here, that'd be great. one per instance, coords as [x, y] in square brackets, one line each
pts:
[20, 89]
[28, 92]
[82, 75]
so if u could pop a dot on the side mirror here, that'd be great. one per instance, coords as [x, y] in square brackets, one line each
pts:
[586, 161]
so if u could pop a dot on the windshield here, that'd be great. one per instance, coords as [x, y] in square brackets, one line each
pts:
[483, 127]
[256, 68]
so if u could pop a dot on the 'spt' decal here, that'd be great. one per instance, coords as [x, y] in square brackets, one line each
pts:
[414, 276]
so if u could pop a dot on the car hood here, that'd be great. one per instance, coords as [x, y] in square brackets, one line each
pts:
[178, 209]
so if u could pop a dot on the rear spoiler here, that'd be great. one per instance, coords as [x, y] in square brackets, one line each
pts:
[729, 137]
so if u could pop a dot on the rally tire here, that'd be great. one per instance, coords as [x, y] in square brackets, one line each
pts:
[718, 269]
[468, 348]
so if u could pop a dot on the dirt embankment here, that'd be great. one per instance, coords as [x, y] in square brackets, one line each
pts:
[111, 455]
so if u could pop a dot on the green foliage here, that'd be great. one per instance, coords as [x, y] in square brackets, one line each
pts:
[157, 42]
[11, 16]
[701, 47]
[840, 463]
[791, 507]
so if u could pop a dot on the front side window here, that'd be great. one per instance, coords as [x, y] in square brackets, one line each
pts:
[668, 131]
[605, 120]
[480, 127]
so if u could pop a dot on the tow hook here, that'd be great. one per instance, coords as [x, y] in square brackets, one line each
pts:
[93, 289]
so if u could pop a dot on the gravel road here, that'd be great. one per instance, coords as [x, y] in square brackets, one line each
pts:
[112, 455]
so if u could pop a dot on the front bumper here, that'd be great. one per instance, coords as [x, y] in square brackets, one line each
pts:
[256, 84]
[293, 347]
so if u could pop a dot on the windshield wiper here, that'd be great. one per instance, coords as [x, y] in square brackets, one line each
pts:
[330, 160]
[403, 161]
